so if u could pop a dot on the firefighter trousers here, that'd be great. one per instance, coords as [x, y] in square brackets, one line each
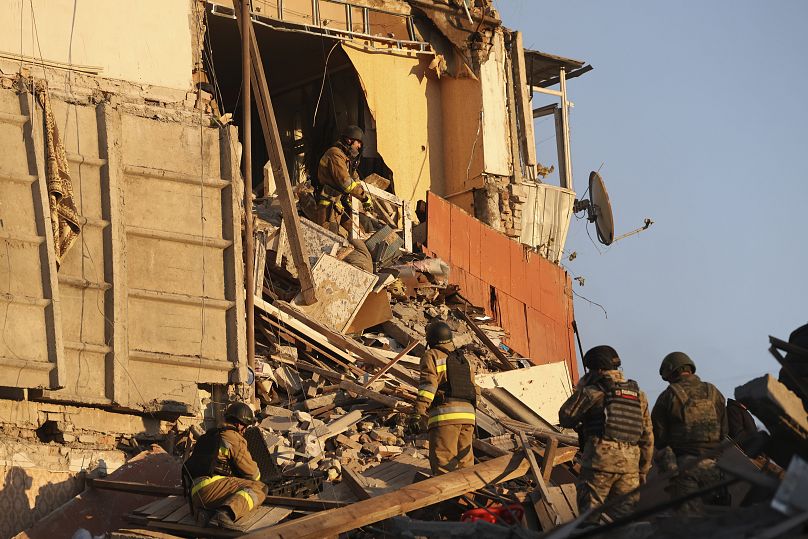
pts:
[450, 448]
[239, 495]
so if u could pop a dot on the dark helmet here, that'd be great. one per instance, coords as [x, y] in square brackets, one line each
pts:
[673, 363]
[353, 132]
[438, 333]
[601, 357]
[240, 413]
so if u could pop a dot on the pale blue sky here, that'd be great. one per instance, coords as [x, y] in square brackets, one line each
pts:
[698, 110]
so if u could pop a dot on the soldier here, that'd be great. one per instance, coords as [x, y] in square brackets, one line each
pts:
[447, 390]
[612, 414]
[690, 420]
[221, 473]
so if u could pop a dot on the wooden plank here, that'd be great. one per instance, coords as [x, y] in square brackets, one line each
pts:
[523, 100]
[270, 517]
[347, 343]
[149, 507]
[174, 503]
[356, 483]
[392, 363]
[134, 487]
[181, 512]
[309, 504]
[409, 498]
[391, 402]
[503, 361]
[548, 461]
[283, 185]
[548, 517]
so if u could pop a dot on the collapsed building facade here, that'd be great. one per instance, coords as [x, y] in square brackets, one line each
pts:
[121, 271]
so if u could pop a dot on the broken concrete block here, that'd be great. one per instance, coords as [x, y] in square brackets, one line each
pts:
[769, 399]
[403, 335]
[387, 450]
[279, 423]
[289, 380]
[383, 436]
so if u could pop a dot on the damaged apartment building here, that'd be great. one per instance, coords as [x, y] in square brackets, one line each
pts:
[122, 298]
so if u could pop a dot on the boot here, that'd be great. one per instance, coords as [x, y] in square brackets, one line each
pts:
[223, 519]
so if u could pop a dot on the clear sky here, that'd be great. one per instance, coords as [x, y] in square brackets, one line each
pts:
[698, 112]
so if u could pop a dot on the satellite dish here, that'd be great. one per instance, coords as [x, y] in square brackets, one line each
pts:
[598, 209]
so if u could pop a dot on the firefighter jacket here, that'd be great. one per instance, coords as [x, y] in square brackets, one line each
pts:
[221, 453]
[435, 391]
[613, 414]
[337, 177]
[690, 417]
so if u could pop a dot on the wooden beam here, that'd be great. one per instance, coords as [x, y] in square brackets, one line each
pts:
[545, 110]
[390, 402]
[523, 99]
[412, 497]
[356, 483]
[548, 517]
[392, 363]
[548, 461]
[133, 487]
[503, 361]
[272, 138]
[337, 339]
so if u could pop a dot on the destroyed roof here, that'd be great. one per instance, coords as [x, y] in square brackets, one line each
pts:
[543, 68]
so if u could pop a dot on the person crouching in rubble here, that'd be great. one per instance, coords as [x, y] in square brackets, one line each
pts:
[221, 474]
[336, 182]
[447, 390]
[690, 420]
[612, 414]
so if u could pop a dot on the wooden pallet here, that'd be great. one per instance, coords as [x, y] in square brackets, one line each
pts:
[173, 514]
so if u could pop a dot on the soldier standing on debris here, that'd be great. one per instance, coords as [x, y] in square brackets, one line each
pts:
[612, 413]
[337, 181]
[221, 474]
[447, 390]
[690, 420]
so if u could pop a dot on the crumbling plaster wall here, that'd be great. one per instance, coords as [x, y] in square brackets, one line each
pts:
[147, 41]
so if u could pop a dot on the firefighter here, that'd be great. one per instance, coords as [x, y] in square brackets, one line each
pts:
[337, 181]
[221, 475]
[447, 399]
[612, 415]
[690, 420]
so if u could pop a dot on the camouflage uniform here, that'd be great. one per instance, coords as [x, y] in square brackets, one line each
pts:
[451, 421]
[690, 438]
[227, 475]
[610, 468]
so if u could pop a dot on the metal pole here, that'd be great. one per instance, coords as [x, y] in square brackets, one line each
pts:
[246, 135]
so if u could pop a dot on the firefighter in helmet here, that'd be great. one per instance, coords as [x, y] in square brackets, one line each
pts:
[221, 475]
[690, 420]
[337, 181]
[447, 399]
[612, 414]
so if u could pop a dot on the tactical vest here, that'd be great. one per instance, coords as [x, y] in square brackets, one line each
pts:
[700, 425]
[210, 456]
[459, 383]
[619, 417]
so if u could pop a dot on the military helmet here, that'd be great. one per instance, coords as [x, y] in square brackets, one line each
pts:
[673, 363]
[353, 132]
[240, 413]
[601, 357]
[438, 333]
[798, 337]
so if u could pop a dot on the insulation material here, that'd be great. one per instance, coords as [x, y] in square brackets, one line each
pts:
[496, 131]
[546, 219]
[542, 388]
[407, 114]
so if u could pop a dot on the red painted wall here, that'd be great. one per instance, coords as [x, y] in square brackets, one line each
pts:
[529, 296]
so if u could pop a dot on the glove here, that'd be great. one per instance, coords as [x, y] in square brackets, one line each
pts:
[417, 423]
[367, 203]
[338, 207]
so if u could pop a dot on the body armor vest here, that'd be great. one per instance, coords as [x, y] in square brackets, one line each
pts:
[459, 384]
[700, 425]
[209, 456]
[619, 418]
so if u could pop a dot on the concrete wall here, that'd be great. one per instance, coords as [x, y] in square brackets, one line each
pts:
[532, 297]
[144, 41]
